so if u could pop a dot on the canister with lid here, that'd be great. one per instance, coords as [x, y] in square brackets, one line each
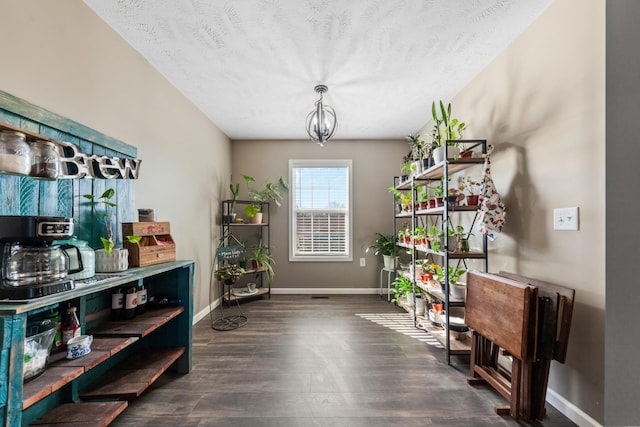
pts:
[15, 154]
[44, 160]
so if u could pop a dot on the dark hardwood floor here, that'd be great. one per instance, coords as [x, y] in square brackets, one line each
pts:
[302, 361]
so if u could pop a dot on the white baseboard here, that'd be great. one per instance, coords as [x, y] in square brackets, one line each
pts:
[295, 291]
[205, 311]
[325, 291]
[570, 410]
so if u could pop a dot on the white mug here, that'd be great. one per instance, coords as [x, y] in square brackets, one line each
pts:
[79, 346]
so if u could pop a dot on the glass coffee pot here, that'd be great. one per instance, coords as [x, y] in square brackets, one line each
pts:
[37, 263]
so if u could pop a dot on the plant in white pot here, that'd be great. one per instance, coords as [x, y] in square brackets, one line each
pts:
[445, 128]
[271, 191]
[385, 245]
[109, 258]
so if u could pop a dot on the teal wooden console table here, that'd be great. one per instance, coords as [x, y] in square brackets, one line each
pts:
[126, 356]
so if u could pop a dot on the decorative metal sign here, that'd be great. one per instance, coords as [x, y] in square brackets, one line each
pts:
[230, 253]
[76, 164]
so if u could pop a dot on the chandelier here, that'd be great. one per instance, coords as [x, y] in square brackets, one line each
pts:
[321, 122]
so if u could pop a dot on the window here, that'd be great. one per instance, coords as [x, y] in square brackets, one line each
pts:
[320, 216]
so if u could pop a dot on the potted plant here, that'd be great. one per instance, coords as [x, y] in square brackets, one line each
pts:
[462, 239]
[401, 287]
[445, 128]
[401, 197]
[261, 260]
[270, 192]
[438, 192]
[423, 197]
[109, 258]
[228, 273]
[470, 188]
[456, 289]
[385, 245]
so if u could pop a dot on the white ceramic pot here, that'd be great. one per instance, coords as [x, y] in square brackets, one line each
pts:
[458, 291]
[389, 262]
[117, 260]
[420, 305]
[438, 153]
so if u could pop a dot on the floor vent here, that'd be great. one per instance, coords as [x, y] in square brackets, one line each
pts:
[319, 297]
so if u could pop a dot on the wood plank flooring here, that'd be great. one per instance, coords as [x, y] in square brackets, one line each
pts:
[302, 361]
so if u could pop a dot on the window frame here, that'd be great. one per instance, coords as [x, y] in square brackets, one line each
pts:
[320, 163]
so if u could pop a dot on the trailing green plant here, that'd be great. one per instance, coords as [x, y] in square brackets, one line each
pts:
[105, 217]
[454, 274]
[262, 258]
[445, 127]
[400, 287]
[384, 245]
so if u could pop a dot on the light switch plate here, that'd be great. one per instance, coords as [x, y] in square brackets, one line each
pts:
[566, 219]
[363, 262]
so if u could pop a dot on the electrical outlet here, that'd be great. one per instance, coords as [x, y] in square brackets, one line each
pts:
[565, 219]
[363, 262]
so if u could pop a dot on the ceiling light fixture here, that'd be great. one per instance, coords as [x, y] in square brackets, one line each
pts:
[321, 122]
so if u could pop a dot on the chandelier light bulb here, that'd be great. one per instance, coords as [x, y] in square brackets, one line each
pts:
[321, 123]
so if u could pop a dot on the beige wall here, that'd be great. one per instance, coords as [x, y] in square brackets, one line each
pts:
[60, 56]
[542, 104]
[374, 165]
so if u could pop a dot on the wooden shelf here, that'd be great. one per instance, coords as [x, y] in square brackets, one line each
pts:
[87, 414]
[435, 172]
[128, 380]
[61, 371]
[142, 325]
[436, 291]
[438, 211]
[457, 346]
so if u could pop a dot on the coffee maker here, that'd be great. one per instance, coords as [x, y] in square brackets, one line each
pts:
[32, 266]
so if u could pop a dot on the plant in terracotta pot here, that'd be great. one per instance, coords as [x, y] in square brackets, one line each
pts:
[228, 273]
[470, 188]
[109, 258]
[269, 192]
[261, 260]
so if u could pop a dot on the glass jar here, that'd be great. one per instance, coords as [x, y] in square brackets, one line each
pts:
[44, 160]
[15, 154]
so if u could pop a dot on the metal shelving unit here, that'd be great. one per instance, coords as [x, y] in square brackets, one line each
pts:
[442, 216]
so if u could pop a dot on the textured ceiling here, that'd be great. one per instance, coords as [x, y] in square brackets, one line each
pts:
[251, 65]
